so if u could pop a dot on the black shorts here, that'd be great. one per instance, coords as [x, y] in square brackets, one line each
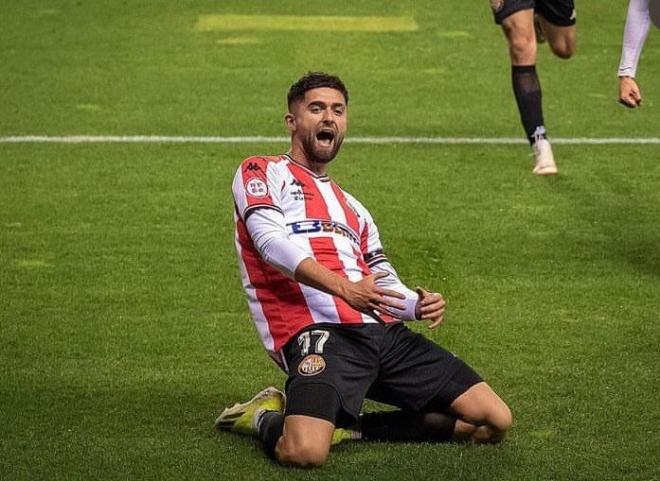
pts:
[332, 368]
[557, 12]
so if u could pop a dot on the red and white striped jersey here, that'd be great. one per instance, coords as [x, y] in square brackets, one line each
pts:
[317, 219]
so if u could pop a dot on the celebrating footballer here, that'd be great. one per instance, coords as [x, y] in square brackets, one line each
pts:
[329, 308]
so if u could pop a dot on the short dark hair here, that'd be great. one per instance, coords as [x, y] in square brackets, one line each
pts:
[314, 80]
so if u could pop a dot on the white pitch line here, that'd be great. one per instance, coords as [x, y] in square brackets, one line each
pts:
[165, 139]
[137, 139]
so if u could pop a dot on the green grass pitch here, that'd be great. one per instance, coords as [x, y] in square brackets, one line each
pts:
[123, 326]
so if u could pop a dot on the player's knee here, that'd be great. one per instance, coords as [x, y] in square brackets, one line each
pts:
[522, 49]
[498, 423]
[497, 417]
[488, 435]
[563, 47]
[302, 454]
[502, 418]
[564, 50]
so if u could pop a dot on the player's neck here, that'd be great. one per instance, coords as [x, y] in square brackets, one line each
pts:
[299, 155]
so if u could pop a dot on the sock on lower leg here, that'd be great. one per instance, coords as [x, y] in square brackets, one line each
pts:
[527, 90]
[407, 426]
[270, 426]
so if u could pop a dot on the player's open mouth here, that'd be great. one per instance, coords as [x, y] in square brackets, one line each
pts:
[325, 137]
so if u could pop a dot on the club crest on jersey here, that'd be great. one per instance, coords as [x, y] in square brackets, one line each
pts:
[256, 188]
[311, 365]
[496, 5]
[298, 191]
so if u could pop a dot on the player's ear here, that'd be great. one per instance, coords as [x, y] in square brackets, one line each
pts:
[290, 121]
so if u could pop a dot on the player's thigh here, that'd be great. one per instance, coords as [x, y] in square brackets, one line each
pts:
[562, 39]
[519, 25]
[557, 19]
[481, 405]
[415, 373]
[503, 9]
[518, 29]
[330, 369]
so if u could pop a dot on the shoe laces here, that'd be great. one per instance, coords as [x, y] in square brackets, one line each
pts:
[539, 134]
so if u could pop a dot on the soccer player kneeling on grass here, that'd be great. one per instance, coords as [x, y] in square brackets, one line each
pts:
[329, 308]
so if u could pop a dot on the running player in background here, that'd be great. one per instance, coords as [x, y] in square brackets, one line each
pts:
[328, 306]
[638, 22]
[526, 22]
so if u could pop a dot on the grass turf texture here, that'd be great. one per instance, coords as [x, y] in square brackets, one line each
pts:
[123, 324]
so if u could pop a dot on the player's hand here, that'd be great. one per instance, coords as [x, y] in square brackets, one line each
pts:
[629, 93]
[430, 307]
[365, 296]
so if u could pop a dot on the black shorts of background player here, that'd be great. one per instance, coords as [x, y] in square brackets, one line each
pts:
[526, 23]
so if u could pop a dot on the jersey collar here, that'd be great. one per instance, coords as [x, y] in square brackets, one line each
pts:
[323, 178]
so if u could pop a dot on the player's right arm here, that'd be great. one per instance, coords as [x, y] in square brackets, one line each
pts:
[364, 296]
[629, 93]
[638, 23]
[257, 189]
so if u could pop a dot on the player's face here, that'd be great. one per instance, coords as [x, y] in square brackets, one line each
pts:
[318, 123]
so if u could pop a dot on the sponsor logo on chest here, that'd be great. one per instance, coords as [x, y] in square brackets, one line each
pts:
[323, 226]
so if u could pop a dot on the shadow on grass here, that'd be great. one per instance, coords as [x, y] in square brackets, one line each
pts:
[626, 221]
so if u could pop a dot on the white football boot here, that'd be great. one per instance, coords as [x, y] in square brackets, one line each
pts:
[544, 161]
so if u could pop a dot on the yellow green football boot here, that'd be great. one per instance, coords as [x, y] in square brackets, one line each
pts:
[340, 435]
[242, 418]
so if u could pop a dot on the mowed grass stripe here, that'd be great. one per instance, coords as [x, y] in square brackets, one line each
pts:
[173, 139]
[315, 23]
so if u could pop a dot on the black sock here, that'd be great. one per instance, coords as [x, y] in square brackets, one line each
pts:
[527, 90]
[271, 426]
[407, 426]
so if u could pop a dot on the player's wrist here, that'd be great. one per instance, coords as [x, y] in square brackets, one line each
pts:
[344, 288]
[418, 310]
